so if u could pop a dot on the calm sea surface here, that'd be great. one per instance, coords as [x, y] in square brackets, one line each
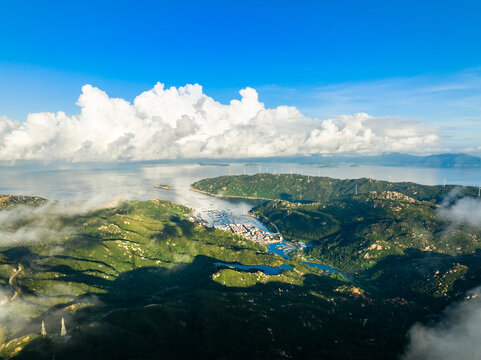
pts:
[136, 181]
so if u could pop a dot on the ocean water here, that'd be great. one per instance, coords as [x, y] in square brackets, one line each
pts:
[137, 180]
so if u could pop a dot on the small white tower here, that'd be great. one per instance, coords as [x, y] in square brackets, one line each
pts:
[63, 330]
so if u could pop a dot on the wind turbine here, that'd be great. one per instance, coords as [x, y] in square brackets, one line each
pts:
[479, 191]
[43, 331]
[444, 182]
[356, 189]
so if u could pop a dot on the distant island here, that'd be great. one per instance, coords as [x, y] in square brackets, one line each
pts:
[163, 186]
[213, 164]
[398, 159]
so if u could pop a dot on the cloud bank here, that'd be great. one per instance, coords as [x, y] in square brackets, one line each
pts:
[457, 337]
[185, 123]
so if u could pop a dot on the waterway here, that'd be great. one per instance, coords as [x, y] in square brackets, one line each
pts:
[284, 248]
[326, 268]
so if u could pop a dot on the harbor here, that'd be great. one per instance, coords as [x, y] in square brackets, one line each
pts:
[251, 232]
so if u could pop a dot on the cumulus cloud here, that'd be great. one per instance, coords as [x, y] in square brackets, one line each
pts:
[455, 337]
[185, 123]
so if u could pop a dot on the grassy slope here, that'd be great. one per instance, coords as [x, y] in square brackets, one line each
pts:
[137, 281]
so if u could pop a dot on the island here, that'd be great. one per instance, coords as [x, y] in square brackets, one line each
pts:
[163, 186]
[213, 164]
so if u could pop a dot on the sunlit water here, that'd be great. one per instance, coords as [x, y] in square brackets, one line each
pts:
[137, 180]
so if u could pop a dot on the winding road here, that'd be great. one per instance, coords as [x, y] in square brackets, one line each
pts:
[15, 272]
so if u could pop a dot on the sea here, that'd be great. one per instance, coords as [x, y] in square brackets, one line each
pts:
[105, 182]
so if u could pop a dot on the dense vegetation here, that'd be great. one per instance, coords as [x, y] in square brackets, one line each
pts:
[388, 237]
[138, 281]
[299, 188]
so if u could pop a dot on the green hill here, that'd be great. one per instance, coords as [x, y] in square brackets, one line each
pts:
[297, 188]
[138, 281]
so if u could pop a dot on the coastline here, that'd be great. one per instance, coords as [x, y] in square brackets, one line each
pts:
[229, 196]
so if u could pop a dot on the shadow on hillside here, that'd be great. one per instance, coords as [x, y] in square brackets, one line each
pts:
[182, 313]
[406, 276]
[286, 196]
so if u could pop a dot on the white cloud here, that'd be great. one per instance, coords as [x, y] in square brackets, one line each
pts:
[464, 211]
[456, 337]
[23, 224]
[185, 123]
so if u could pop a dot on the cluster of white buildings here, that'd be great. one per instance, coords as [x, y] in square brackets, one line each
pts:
[250, 232]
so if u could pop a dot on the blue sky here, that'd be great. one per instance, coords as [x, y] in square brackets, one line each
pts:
[415, 59]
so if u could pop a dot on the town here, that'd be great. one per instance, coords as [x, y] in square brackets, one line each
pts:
[251, 232]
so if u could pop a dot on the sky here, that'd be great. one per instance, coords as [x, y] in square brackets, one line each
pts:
[408, 61]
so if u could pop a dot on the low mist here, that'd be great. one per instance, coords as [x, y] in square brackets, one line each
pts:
[456, 336]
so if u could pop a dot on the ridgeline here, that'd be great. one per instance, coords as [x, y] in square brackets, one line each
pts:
[301, 188]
